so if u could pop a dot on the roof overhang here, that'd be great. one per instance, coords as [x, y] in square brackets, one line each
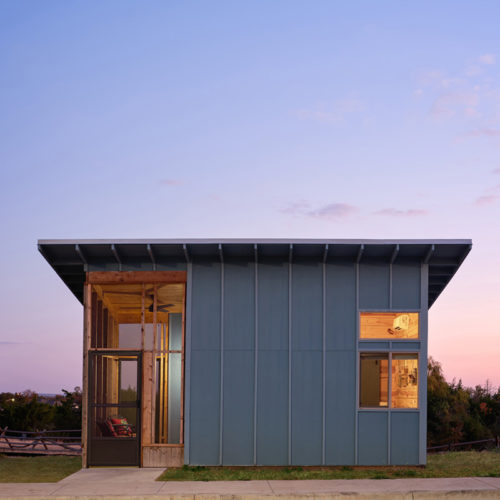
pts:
[71, 259]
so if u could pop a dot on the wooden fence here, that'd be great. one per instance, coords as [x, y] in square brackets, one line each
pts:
[65, 442]
[482, 444]
[69, 442]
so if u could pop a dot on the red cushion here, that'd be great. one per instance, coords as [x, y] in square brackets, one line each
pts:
[121, 426]
[109, 425]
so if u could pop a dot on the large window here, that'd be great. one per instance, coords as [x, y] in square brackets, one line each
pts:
[374, 380]
[388, 325]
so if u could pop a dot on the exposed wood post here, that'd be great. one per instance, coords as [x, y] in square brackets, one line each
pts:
[143, 299]
[146, 406]
[87, 320]
[166, 377]
[153, 363]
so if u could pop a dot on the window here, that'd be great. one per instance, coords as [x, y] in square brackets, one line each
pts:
[404, 381]
[374, 380]
[388, 325]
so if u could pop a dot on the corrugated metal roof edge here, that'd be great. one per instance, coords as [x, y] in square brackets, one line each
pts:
[467, 243]
[179, 241]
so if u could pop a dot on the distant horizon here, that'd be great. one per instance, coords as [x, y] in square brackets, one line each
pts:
[455, 380]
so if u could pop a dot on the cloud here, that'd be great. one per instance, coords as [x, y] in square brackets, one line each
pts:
[487, 59]
[491, 195]
[471, 94]
[451, 103]
[496, 171]
[430, 78]
[476, 67]
[333, 211]
[484, 132]
[2, 342]
[333, 113]
[394, 212]
[473, 70]
[329, 211]
[171, 182]
[487, 199]
[296, 208]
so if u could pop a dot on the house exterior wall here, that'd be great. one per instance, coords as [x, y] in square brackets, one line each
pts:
[272, 362]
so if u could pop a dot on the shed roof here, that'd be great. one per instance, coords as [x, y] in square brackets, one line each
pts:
[72, 258]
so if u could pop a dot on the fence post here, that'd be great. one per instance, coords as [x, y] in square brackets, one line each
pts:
[43, 438]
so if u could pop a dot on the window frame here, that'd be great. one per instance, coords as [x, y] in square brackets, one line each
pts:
[389, 406]
[418, 338]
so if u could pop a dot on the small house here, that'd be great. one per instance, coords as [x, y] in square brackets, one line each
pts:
[254, 352]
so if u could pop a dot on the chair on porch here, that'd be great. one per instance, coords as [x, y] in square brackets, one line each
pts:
[117, 426]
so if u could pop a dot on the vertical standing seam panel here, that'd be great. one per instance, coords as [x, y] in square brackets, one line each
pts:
[340, 363]
[187, 364]
[290, 362]
[205, 363]
[307, 376]
[390, 285]
[239, 362]
[323, 423]
[389, 404]
[272, 373]
[221, 422]
[422, 395]
[256, 358]
[389, 385]
[356, 375]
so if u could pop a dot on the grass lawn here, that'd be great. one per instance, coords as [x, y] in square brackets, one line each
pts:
[453, 464]
[37, 469]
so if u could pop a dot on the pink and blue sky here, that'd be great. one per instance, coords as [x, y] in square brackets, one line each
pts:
[322, 119]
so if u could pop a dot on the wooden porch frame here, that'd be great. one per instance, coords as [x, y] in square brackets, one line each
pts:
[132, 277]
[135, 277]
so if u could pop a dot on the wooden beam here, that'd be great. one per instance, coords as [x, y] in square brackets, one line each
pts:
[153, 365]
[87, 320]
[143, 328]
[109, 305]
[147, 407]
[150, 277]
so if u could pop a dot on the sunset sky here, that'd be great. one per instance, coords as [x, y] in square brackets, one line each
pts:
[224, 119]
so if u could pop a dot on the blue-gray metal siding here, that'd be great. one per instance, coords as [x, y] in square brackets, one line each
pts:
[273, 363]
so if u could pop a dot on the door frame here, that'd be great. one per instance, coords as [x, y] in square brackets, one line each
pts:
[93, 355]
